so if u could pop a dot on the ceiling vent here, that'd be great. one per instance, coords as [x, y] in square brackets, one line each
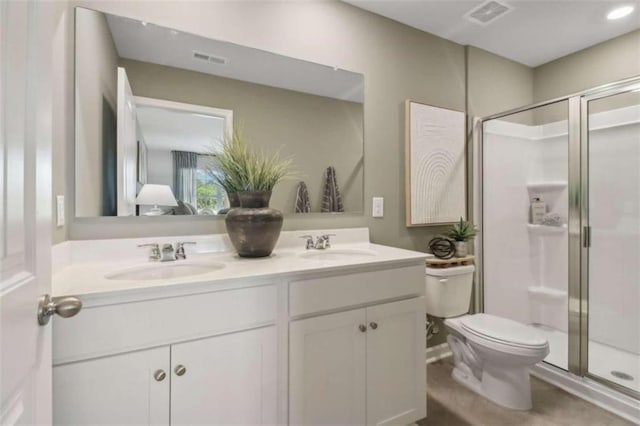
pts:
[487, 12]
[207, 57]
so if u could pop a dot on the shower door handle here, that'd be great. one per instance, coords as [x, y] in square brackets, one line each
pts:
[586, 232]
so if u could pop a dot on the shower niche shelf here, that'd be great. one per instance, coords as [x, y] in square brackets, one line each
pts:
[546, 229]
[556, 185]
[547, 293]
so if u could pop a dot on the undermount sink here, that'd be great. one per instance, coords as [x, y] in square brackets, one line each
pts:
[164, 271]
[339, 254]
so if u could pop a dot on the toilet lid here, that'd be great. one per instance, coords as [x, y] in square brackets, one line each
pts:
[502, 330]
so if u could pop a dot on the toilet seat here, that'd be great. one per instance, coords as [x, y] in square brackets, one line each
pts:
[502, 331]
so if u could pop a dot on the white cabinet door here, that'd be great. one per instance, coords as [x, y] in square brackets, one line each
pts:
[115, 390]
[327, 370]
[396, 374]
[228, 380]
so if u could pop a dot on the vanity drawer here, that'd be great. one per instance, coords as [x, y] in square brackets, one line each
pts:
[329, 293]
[104, 330]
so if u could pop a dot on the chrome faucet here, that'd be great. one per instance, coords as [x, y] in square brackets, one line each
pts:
[309, 242]
[168, 255]
[180, 253]
[323, 241]
[154, 254]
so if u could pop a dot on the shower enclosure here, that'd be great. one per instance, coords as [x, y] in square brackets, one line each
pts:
[572, 270]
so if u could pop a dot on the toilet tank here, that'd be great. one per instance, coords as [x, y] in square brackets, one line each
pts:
[448, 290]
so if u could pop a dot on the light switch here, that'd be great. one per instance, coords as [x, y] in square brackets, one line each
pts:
[60, 210]
[378, 207]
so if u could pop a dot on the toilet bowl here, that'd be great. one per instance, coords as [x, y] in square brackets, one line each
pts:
[491, 355]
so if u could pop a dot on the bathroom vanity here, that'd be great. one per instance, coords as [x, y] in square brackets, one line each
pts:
[332, 336]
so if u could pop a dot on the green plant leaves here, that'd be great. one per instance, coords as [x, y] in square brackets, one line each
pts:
[240, 167]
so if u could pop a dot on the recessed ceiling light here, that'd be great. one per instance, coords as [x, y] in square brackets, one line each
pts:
[619, 12]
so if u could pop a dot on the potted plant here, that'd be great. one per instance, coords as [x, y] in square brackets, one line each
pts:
[251, 174]
[461, 232]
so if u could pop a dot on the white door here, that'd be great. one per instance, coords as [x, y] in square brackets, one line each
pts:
[127, 168]
[327, 370]
[127, 389]
[26, 33]
[225, 380]
[396, 375]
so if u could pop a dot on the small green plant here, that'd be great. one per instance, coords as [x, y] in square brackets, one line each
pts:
[462, 231]
[239, 167]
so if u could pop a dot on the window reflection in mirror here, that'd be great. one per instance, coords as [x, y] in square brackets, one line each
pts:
[153, 105]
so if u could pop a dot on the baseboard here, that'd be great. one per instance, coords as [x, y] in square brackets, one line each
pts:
[438, 352]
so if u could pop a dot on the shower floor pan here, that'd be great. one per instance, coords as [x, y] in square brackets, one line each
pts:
[605, 361]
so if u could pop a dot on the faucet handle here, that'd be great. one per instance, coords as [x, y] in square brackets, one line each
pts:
[155, 250]
[327, 239]
[309, 239]
[180, 253]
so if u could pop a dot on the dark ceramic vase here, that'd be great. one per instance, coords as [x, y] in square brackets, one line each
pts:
[233, 202]
[253, 227]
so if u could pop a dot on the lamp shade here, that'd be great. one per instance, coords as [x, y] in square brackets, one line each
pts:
[156, 195]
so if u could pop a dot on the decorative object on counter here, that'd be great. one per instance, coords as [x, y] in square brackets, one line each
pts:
[303, 205]
[435, 182]
[538, 210]
[234, 202]
[156, 195]
[332, 200]
[442, 248]
[462, 232]
[253, 227]
[446, 263]
[552, 219]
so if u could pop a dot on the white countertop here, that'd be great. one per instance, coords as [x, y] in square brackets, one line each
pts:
[82, 274]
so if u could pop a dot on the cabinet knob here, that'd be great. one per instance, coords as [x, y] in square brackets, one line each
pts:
[373, 325]
[159, 375]
[362, 328]
[180, 370]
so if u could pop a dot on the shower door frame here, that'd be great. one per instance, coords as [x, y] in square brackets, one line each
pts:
[578, 219]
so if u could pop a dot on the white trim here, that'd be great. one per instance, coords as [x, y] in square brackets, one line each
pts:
[225, 114]
[438, 352]
[590, 390]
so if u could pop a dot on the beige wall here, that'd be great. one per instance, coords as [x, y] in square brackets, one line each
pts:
[96, 64]
[603, 63]
[496, 84]
[398, 62]
[315, 131]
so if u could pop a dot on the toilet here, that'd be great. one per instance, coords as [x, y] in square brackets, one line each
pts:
[491, 355]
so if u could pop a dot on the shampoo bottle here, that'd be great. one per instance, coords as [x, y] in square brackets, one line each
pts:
[538, 210]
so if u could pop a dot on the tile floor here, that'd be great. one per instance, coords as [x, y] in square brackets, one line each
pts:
[451, 404]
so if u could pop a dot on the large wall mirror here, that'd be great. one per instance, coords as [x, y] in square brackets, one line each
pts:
[153, 106]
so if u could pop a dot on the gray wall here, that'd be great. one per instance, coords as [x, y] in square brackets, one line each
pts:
[398, 62]
[314, 131]
[603, 63]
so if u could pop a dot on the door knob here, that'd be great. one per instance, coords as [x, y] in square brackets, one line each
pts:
[373, 325]
[362, 328]
[65, 306]
[159, 375]
[180, 370]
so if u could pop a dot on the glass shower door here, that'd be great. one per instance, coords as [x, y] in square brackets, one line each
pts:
[613, 268]
[525, 156]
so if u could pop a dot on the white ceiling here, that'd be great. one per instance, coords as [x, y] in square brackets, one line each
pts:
[164, 46]
[171, 130]
[533, 33]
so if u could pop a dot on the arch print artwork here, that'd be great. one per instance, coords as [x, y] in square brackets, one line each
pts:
[435, 165]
